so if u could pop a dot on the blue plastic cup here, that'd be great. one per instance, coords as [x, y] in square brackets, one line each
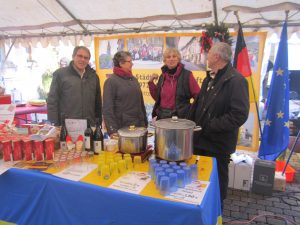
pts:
[180, 178]
[194, 170]
[165, 166]
[158, 177]
[188, 174]
[164, 185]
[157, 170]
[163, 162]
[173, 164]
[151, 169]
[183, 164]
[151, 161]
[173, 182]
[176, 168]
[168, 171]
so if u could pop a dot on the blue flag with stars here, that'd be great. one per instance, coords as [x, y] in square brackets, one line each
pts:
[275, 137]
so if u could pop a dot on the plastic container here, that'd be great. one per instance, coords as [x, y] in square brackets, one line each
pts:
[289, 172]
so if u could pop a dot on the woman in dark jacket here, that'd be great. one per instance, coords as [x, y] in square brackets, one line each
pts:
[123, 103]
[174, 89]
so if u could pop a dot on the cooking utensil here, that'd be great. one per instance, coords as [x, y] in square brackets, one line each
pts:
[174, 138]
[132, 139]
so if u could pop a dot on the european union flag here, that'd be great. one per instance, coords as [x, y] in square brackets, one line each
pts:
[275, 137]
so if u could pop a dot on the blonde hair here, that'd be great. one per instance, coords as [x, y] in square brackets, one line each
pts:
[170, 51]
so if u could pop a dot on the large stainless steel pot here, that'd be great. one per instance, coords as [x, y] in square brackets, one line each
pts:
[174, 138]
[132, 139]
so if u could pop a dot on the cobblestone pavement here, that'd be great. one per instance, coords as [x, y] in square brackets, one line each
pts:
[280, 208]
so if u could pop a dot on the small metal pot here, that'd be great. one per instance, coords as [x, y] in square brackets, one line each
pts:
[132, 139]
[174, 138]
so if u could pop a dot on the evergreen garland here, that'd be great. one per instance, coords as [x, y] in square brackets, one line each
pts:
[214, 33]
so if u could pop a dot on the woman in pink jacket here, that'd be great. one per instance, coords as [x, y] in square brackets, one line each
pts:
[174, 89]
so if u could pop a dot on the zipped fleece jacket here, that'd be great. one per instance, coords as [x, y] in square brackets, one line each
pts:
[220, 112]
[123, 103]
[74, 97]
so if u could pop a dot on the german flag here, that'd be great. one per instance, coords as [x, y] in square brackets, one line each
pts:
[242, 63]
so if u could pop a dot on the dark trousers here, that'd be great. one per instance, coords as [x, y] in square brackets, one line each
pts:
[222, 163]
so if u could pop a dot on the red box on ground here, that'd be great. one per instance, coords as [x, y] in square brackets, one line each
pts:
[289, 172]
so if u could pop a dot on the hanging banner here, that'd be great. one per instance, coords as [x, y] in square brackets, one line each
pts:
[147, 55]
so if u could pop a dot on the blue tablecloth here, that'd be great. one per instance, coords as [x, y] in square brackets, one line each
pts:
[37, 198]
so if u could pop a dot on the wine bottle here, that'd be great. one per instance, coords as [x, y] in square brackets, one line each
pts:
[88, 138]
[63, 134]
[98, 138]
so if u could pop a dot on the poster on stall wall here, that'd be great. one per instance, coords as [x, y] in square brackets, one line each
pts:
[147, 56]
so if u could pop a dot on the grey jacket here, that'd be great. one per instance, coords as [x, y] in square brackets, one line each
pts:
[123, 103]
[74, 97]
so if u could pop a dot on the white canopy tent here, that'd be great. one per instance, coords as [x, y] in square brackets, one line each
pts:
[54, 20]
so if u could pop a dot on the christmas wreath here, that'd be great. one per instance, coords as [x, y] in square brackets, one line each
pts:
[214, 33]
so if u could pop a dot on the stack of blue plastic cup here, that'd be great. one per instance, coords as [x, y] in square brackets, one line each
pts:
[194, 170]
[176, 168]
[163, 162]
[164, 185]
[157, 170]
[183, 164]
[173, 182]
[158, 177]
[172, 164]
[188, 174]
[180, 178]
[168, 171]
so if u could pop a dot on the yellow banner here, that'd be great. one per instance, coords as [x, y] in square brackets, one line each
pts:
[147, 50]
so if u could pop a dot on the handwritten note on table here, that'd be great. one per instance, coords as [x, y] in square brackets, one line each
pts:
[133, 182]
[76, 172]
[192, 193]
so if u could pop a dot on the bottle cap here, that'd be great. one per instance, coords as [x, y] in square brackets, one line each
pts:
[80, 138]
[68, 138]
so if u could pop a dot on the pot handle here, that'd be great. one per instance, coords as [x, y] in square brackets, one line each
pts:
[197, 128]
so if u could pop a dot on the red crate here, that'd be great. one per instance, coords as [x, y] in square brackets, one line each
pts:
[289, 172]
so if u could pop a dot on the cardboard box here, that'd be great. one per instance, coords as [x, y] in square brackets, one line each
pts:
[231, 174]
[279, 182]
[242, 177]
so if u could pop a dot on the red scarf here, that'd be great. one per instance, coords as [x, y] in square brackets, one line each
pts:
[120, 72]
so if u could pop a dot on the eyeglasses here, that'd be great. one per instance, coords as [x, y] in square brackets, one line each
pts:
[83, 57]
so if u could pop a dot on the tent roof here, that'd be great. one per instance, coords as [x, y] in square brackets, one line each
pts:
[40, 18]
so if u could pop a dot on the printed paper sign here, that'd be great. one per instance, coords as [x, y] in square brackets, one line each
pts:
[133, 182]
[192, 193]
[76, 172]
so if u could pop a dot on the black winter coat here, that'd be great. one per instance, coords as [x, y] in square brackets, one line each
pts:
[221, 114]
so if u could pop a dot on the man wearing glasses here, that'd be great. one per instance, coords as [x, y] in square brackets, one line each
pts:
[75, 90]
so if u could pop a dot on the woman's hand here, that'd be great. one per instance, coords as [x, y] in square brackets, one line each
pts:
[153, 77]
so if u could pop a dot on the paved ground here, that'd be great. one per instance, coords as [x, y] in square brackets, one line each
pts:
[242, 207]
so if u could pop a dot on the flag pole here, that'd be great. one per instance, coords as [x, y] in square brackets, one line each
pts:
[290, 155]
[251, 84]
[256, 105]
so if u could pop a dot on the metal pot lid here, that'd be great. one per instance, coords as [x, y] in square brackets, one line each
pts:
[132, 131]
[175, 123]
